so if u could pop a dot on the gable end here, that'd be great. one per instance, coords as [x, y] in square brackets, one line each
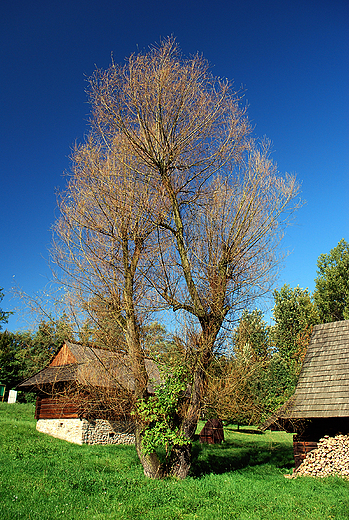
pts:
[63, 357]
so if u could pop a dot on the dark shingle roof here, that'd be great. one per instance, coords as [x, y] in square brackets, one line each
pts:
[91, 366]
[323, 386]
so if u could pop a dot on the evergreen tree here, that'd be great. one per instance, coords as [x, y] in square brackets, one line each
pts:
[10, 365]
[22, 354]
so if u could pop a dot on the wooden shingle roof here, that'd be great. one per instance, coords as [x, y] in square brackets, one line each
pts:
[323, 386]
[90, 366]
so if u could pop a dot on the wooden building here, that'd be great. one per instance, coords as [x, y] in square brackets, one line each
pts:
[212, 432]
[320, 404]
[85, 393]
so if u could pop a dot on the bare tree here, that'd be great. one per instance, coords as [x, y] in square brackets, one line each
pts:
[173, 195]
[103, 245]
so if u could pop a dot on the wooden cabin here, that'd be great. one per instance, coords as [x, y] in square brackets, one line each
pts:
[212, 432]
[85, 394]
[320, 404]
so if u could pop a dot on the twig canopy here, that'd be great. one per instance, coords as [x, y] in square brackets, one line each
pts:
[171, 203]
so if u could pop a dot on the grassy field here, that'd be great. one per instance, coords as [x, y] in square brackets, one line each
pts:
[43, 478]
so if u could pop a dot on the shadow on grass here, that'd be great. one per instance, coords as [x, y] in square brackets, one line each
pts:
[231, 456]
[245, 430]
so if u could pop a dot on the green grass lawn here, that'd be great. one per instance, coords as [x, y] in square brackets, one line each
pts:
[46, 478]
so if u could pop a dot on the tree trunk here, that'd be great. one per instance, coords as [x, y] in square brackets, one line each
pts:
[180, 461]
[151, 464]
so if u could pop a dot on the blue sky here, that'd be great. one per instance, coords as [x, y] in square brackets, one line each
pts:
[292, 57]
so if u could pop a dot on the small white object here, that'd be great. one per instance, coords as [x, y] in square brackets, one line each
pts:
[12, 396]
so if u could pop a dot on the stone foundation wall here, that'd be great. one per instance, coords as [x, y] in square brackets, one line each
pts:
[81, 431]
[66, 429]
[107, 432]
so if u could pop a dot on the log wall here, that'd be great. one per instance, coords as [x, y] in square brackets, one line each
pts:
[48, 408]
[301, 448]
[315, 429]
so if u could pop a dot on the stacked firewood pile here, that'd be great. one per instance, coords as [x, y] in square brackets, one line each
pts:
[330, 458]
